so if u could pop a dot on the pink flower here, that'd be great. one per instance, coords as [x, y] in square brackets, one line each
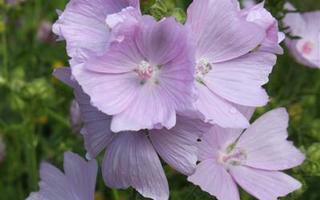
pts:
[306, 50]
[263, 18]
[229, 70]
[76, 183]
[253, 159]
[131, 157]
[82, 24]
[144, 77]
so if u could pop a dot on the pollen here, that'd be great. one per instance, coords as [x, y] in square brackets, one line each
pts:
[233, 158]
[203, 67]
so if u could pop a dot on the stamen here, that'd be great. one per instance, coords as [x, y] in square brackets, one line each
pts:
[202, 68]
[234, 158]
[145, 70]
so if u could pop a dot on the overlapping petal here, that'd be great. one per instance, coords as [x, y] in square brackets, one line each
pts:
[240, 80]
[82, 24]
[219, 31]
[264, 185]
[131, 160]
[214, 179]
[265, 143]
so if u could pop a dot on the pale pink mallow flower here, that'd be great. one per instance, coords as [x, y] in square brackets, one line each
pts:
[146, 75]
[306, 49]
[263, 18]
[229, 69]
[132, 157]
[253, 159]
[82, 24]
[78, 181]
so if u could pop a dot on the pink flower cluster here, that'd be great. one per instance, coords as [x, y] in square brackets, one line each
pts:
[150, 89]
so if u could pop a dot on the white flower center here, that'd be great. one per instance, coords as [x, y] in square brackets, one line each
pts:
[234, 158]
[147, 72]
[203, 67]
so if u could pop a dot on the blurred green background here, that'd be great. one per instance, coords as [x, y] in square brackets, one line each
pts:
[34, 107]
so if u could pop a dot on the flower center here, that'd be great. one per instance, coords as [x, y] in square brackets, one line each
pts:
[234, 158]
[202, 68]
[147, 72]
[307, 48]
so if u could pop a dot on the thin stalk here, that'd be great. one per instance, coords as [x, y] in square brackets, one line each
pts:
[31, 157]
[115, 194]
[4, 54]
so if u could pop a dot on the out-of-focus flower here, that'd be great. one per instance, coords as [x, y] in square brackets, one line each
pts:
[75, 117]
[131, 156]
[76, 183]
[44, 33]
[248, 3]
[263, 18]
[306, 50]
[229, 70]
[82, 25]
[143, 80]
[253, 159]
[2, 149]
[14, 2]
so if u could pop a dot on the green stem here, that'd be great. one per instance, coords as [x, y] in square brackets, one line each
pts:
[31, 158]
[5, 54]
[115, 194]
[58, 118]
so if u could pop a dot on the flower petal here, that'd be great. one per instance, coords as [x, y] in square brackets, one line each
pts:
[131, 160]
[214, 179]
[82, 24]
[265, 143]
[219, 31]
[240, 79]
[110, 93]
[96, 130]
[264, 185]
[81, 175]
[160, 42]
[54, 184]
[215, 140]
[178, 146]
[217, 110]
[148, 110]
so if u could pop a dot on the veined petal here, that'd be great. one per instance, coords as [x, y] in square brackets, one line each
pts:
[178, 146]
[131, 160]
[265, 143]
[214, 179]
[54, 184]
[217, 110]
[264, 185]
[240, 80]
[81, 176]
[215, 140]
[150, 109]
[96, 130]
[161, 42]
[221, 34]
[82, 24]
[110, 93]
